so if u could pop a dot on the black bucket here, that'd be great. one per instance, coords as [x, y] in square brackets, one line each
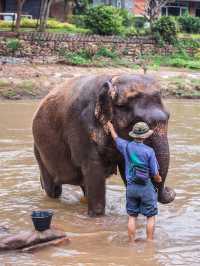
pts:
[42, 219]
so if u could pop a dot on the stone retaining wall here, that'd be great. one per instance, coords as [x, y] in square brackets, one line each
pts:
[36, 45]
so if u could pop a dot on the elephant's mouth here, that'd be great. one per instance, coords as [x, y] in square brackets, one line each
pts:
[159, 129]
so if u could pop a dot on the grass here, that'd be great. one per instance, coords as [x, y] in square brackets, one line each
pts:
[181, 87]
[8, 94]
[102, 58]
[26, 85]
[4, 83]
[24, 88]
[189, 35]
[52, 26]
[178, 60]
[64, 30]
[106, 57]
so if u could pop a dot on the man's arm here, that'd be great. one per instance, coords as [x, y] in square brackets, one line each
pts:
[112, 130]
[120, 143]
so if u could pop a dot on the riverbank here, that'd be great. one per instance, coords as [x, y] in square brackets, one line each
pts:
[34, 81]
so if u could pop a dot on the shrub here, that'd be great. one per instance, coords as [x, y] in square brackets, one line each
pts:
[128, 18]
[178, 59]
[166, 29]
[78, 20]
[28, 23]
[139, 22]
[104, 20]
[74, 29]
[131, 31]
[105, 52]
[51, 24]
[81, 57]
[189, 24]
[54, 24]
[5, 24]
[13, 45]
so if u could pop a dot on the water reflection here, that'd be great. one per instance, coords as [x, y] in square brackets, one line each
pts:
[102, 241]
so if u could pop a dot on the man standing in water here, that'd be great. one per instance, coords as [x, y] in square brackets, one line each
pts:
[140, 166]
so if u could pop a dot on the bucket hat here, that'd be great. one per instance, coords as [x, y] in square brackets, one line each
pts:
[140, 131]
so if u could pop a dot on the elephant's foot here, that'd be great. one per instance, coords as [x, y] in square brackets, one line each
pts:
[167, 195]
[98, 211]
[52, 190]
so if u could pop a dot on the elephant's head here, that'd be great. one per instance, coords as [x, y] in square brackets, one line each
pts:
[128, 99]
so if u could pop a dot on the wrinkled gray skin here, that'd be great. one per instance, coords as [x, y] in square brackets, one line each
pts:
[71, 141]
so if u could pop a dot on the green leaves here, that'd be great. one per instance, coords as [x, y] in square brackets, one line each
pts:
[165, 29]
[104, 20]
[189, 24]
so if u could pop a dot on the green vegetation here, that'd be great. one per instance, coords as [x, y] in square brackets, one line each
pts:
[165, 30]
[104, 52]
[13, 45]
[181, 87]
[52, 26]
[4, 83]
[8, 94]
[26, 85]
[106, 57]
[189, 24]
[192, 36]
[104, 20]
[179, 59]
[101, 58]
[16, 90]
[108, 20]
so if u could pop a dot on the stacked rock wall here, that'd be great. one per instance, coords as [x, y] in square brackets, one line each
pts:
[34, 44]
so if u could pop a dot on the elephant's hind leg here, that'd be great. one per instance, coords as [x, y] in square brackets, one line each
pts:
[53, 190]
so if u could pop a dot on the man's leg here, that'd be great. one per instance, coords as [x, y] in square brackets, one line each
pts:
[131, 228]
[150, 227]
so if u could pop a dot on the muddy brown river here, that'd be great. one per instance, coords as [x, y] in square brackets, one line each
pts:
[102, 241]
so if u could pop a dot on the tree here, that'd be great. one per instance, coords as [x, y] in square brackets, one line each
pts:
[152, 9]
[68, 8]
[44, 13]
[20, 4]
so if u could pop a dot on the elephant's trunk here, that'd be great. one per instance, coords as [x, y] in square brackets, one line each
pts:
[159, 142]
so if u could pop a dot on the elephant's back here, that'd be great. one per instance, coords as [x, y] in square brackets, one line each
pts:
[67, 92]
[60, 101]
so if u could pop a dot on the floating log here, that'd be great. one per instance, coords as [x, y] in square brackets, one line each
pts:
[31, 240]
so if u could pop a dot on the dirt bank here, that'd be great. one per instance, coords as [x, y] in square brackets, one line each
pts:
[34, 81]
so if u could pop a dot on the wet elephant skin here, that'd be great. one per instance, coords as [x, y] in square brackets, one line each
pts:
[71, 141]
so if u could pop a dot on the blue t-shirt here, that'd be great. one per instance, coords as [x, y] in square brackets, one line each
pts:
[143, 155]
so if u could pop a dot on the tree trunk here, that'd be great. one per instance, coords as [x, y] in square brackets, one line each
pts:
[44, 14]
[69, 8]
[20, 4]
[65, 10]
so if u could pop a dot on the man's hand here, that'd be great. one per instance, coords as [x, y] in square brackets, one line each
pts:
[112, 130]
[157, 178]
[110, 125]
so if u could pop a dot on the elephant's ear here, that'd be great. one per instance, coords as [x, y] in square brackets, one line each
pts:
[103, 108]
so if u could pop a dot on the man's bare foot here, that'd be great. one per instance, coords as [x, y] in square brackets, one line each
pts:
[131, 240]
[150, 240]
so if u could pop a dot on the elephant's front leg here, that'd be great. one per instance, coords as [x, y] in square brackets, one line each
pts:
[94, 179]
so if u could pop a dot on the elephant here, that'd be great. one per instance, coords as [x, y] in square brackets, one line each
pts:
[72, 143]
